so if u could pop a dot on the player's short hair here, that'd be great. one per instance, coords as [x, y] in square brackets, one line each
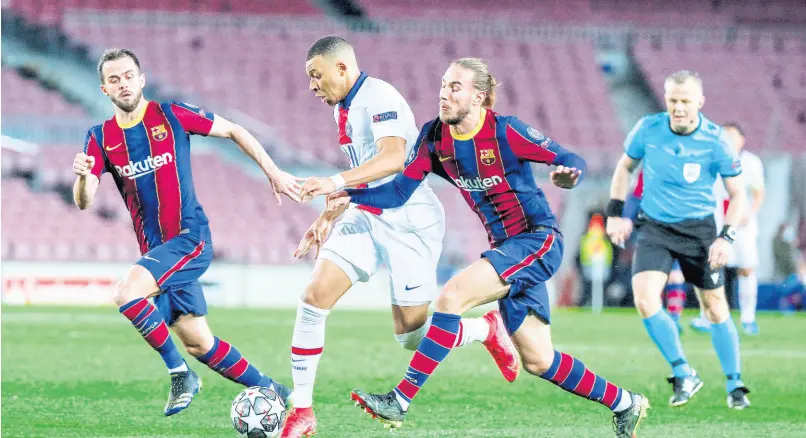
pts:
[680, 78]
[327, 45]
[735, 126]
[114, 54]
[482, 79]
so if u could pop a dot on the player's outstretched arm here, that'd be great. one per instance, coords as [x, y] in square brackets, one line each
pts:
[570, 169]
[281, 182]
[87, 183]
[393, 194]
[389, 161]
[529, 144]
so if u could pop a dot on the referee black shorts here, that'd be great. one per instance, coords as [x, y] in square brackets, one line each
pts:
[660, 243]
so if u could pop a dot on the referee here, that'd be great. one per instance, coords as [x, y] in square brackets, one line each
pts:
[683, 153]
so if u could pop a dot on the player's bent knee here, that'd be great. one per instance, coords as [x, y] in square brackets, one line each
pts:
[125, 292]
[647, 303]
[537, 363]
[451, 299]
[411, 340]
[715, 305]
[317, 294]
[138, 283]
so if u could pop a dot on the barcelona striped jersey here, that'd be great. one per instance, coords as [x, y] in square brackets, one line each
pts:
[149, 159]
[491, 167]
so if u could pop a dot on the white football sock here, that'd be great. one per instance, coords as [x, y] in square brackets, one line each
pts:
[625, 402]
[403, 403]
[306, 349]
[472, 330]
[180, 369]
[748, 297]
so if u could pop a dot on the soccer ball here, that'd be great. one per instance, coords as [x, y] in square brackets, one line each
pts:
[258, 412]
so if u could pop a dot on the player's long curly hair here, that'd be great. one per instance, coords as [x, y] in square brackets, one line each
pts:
[482, 79]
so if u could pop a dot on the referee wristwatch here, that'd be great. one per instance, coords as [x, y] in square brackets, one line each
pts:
[728, 233]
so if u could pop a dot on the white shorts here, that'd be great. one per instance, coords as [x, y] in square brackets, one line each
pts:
[408, 240]
[745, 248]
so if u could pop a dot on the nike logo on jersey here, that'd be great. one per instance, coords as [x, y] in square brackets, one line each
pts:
[112, 148]
[445, 158]
[141, 168]
[499, 251]
[412, 288]
[150, 258]
[477, 184]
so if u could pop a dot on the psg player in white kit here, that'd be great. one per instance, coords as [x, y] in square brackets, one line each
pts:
[376, 130]
[744, 256]
[745, 247]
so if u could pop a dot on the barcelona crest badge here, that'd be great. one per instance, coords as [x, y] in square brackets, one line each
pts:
[159, 133]
[487, 156]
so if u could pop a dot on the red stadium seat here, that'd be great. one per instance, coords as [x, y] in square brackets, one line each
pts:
[241, 209]
[766, 100]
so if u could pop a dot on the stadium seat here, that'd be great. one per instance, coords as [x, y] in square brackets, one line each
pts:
[566, 97]
[247, 225]
[767, 100]
[52, 12]
[26, 97]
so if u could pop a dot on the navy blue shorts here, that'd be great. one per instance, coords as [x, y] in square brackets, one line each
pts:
[177, 265]
[526, 261]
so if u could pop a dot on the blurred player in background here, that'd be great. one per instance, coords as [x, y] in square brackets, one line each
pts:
[683, 153]
[376, 129]
[745, 250]
[487, 156]
[145, 148]
[675, 289]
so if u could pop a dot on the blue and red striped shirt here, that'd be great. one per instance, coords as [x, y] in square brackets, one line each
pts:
[149, 159]
[491, 167]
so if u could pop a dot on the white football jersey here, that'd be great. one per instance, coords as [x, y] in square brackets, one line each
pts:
[753, 172]
[374, 109]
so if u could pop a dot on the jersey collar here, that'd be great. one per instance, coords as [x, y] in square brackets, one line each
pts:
[136, 120]
[476, 130]
[669, 125]
[353, 91]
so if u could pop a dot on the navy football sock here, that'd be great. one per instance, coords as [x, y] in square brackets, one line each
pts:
[151, 325]
[433, 349]
[570, 374]
[225, 359]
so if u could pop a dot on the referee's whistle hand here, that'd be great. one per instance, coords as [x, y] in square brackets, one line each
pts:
[719, 253]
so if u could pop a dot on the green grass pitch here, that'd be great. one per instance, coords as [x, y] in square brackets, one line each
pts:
[84, 372]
